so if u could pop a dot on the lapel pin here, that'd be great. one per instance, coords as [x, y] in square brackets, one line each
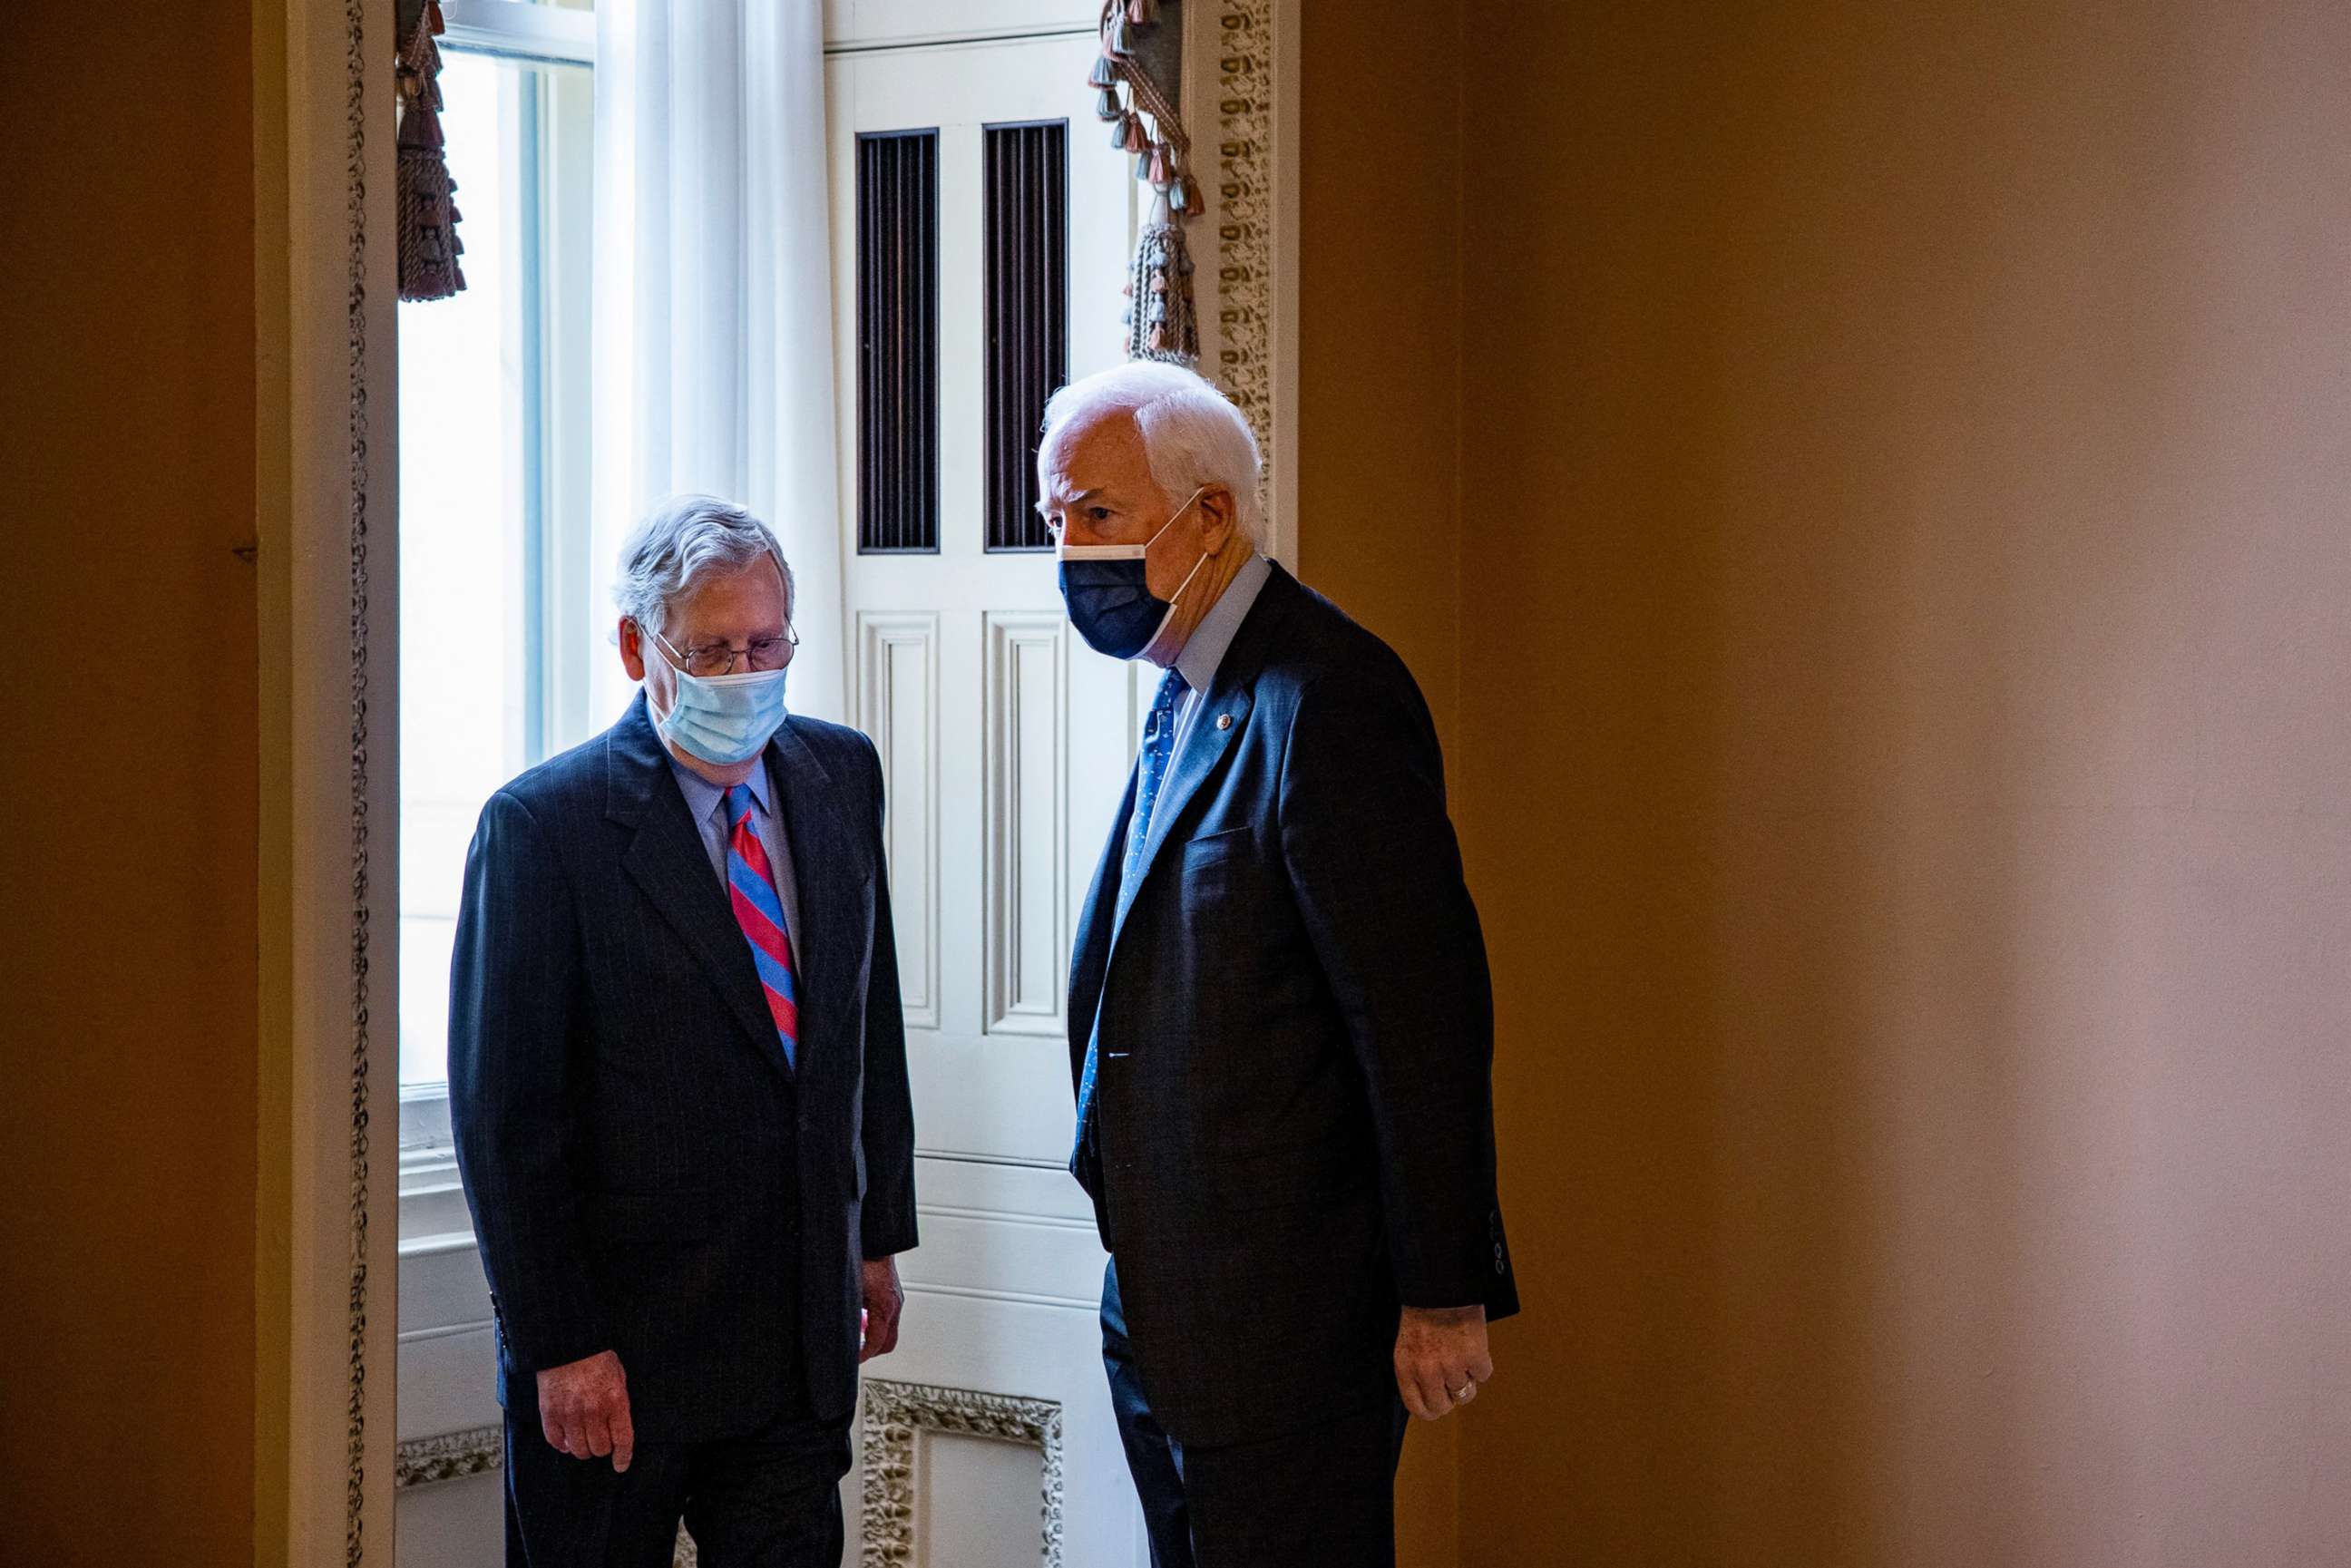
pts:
[1224, 721]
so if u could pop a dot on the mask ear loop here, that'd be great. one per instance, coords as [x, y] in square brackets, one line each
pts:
[1178, 594]
[1175, 514]
[1176, 597]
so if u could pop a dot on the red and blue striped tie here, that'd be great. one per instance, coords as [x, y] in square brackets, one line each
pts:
[751, 888]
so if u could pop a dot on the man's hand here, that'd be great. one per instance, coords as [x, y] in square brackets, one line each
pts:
[1440, 1359]
[584, 1407]
[883, 1301]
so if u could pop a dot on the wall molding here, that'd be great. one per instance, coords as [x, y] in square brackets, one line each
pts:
[480, 1451]
[359, 62]
[1243, 214]
[1018, 1298]
[1250, 350]
[1019, 855]
[895, 1413]
[880, 633]
[449, 1457]
[325, 289]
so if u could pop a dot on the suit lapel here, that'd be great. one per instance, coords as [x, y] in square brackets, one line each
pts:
[1203, 748]
[1217, 720]
[822, 842]
[1090, 945]
[668, 858]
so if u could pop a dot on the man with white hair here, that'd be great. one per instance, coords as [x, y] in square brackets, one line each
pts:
[1282, 1026]
[677, 1080]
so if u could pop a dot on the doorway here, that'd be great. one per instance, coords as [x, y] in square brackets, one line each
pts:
[980, 240]
[331, 1475]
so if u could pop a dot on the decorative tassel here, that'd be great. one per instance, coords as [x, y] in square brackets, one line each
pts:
[1163, 323]
[1162, 320]
[424, 196]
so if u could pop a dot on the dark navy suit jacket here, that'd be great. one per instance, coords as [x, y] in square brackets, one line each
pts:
[646, 1175]
[1296, 1024]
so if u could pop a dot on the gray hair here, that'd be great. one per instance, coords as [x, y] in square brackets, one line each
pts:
[683, 540]
[1192, 434]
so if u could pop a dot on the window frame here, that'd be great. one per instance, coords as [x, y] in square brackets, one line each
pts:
[432, 1204]
[520, 30]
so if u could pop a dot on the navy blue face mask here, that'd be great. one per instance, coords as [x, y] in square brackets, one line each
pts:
[1107, 589]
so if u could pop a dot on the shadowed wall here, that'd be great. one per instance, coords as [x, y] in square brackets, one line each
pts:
[1894, 692]
[128, 787]
[1379, 340]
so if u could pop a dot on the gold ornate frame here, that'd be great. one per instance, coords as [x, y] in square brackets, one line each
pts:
[892, 1417]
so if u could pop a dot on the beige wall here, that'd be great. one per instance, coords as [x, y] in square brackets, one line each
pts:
[1379, 342]
[127, 788]
[1896, 687]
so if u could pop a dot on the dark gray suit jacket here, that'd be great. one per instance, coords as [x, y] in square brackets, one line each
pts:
[646, 1175]
[1295, 1088]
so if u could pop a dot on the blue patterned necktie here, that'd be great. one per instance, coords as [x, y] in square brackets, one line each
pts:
[1151, 771]
[1158, 749]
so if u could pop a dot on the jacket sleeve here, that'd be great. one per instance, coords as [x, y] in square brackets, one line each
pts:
[512, 998]
[1377, 872]
[888, 1223]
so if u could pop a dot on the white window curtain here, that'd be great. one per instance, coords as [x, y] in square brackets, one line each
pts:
[714, 295]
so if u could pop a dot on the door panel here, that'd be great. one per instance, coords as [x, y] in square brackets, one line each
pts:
[1005, 744]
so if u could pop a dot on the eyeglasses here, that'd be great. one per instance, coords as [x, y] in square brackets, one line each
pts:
[706, 661]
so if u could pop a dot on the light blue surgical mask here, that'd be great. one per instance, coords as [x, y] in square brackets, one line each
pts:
[724, 719]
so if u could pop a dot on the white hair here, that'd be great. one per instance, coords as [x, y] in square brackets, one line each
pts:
[1192, 434]
[683, 540]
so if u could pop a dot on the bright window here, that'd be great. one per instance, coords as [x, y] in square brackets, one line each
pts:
[494, 520]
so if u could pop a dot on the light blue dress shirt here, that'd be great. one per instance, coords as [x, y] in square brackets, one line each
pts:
[707, 804]
[1202, 655]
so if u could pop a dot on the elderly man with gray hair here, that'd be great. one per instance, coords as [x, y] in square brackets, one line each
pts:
[677, 1081]
[1281, 1030]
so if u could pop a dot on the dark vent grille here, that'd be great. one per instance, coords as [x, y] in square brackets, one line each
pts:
[1025, 216]
[898, 342]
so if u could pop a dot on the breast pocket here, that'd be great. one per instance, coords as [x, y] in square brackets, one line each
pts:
[1210, 849]
[1226, 884]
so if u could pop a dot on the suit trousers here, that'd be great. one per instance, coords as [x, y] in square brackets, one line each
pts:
[1322, 1498]
[770, 1498]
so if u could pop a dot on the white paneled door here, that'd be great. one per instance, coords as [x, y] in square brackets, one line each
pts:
[982, 223]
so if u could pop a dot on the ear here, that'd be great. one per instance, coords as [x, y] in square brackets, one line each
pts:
[633, 649]
[1218, 524]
